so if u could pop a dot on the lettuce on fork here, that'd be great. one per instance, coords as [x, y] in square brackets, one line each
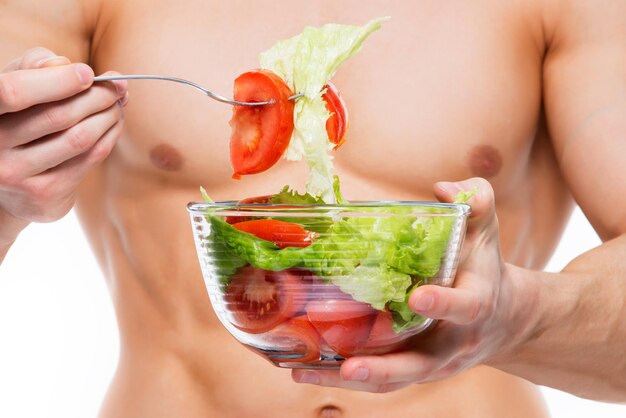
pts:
[307, 62]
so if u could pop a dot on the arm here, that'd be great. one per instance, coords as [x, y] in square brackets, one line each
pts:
[578, 341]
[10, 227]
[54, 125]
[565, 330]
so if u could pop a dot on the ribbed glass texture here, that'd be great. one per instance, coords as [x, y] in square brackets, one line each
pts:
[312, 302]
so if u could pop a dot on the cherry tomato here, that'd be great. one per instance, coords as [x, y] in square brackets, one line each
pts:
[382, 338]
[260, 134]
[258, 300]
[344, 324]
[337, 123]
[283, 234]
[298, 338]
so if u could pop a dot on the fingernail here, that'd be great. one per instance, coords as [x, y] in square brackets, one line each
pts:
[361, 374]
[124, 100]
[449, 187]
[121, 86]
[424, 303]
[48, 60]
[310, 377]
[85, 73]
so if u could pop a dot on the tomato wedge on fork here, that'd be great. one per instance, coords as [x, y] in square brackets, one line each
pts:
[337, 123]
[260, 134]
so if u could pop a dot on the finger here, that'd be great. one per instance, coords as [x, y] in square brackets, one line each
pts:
[58, 148]
[22, 89]
[333, 378]
[59, 183]
[41, 58]
[433, 356]
[460, 305]
[70, 173]
[120, 85]
[482, 203]
[36, 58]
[46, 119]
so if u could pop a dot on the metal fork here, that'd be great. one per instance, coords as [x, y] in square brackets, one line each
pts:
[189, 83]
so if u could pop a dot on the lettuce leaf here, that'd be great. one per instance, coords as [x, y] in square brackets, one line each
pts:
[307, 62]
[403, 316]
[375, 285]
[289, 196]
[337, 191]
[376, 259]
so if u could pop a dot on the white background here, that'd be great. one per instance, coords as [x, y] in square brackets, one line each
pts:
[58, 337]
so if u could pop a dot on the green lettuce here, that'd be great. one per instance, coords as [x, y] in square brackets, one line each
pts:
[375, 285]
[288, 196]
[403, 316]
[307, 62]
[377, 259]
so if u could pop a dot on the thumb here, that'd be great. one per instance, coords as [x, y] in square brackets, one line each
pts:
[482, 202]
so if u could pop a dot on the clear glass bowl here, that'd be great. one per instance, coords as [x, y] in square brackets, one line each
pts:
[333, 286]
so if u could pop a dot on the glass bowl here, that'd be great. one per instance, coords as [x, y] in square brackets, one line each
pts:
[307, 286]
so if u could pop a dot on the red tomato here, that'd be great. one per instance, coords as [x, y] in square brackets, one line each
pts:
[260, 134]
[382, 339]
[255, 199]
[297, 338]
[337, 123]
[283, 234]
[344, 324]
[258, 300]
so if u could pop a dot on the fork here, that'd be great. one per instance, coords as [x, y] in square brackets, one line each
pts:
[189, 83]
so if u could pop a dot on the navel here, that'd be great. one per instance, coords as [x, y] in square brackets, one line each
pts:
[330, 411]
[166, 157]
[485, 161]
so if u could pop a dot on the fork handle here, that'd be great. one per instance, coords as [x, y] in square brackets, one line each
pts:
[187, 82]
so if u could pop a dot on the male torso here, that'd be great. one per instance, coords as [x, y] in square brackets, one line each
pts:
[446, 90]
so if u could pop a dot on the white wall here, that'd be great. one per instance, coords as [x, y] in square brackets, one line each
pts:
[58, 338]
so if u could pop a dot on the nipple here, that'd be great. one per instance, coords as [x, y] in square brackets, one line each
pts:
[485, 161]
[166, 157]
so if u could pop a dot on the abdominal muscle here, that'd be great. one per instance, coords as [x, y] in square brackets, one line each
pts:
[178, 360]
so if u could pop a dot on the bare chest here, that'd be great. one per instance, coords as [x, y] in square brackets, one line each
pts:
[445, 90]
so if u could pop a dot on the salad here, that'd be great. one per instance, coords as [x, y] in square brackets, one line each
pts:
[307, 277]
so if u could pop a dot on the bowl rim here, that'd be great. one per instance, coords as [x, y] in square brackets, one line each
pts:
[459, 209]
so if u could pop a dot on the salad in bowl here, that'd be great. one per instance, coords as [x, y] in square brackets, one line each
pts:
[309, 279]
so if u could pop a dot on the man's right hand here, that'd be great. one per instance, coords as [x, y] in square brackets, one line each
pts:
[54, 127]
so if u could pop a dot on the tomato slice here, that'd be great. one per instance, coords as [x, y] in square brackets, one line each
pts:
[283, 234]
[258, 300]
[382, 339]
[344, 324]
[255, 199]
[296, 339]
[337, 123]
[260, 134]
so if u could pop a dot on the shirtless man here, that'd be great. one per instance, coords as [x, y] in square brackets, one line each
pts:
[450, 89]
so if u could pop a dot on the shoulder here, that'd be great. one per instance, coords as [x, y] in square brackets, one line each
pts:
[64, 26]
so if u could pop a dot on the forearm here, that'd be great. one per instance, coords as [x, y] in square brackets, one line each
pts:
[10, 227]
[574, 330]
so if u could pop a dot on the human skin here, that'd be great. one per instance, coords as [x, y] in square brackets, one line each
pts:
[450, 90]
